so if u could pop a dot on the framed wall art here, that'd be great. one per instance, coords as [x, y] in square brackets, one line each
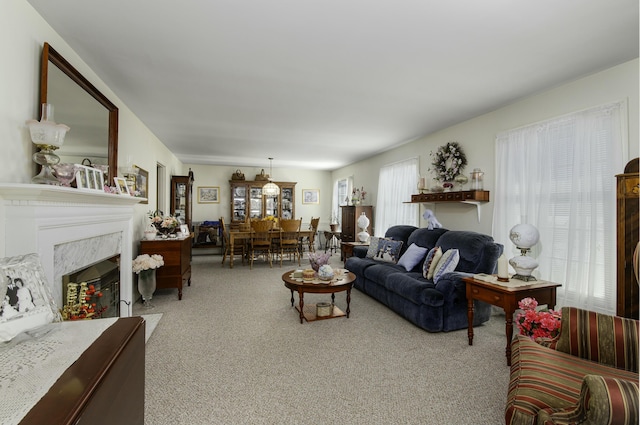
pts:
[142, 183]
[310, 196]
[208, 194]
[121, 186]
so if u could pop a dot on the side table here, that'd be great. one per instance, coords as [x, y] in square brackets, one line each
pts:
[506, 295]
[347, 249]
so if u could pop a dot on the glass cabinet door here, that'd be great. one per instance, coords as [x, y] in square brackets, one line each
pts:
[255, 201]
[239, 203]
[271, 205]
[180, 201]
[287, 202]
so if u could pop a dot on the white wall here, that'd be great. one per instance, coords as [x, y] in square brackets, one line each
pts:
[22, 35]
[477, 136]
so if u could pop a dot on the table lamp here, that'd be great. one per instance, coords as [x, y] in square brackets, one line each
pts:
[47, 136]
[524, 236]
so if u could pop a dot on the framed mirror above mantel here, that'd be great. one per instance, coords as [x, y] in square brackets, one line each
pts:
[92, 117]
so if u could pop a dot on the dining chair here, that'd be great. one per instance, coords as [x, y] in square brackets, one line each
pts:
[239, 247]
[289, 239]
[260, 240]
[313, 229]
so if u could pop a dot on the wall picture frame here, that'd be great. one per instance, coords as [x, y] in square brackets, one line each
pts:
[310, 196]
[121, 186]
[208, 194]
[142, 184]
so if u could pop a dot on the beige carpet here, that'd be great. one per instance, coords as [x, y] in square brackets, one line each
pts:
[233, 352]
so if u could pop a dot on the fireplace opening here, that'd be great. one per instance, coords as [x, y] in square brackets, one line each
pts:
[92, 292]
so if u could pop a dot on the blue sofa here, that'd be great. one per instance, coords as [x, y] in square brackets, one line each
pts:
[433, 307]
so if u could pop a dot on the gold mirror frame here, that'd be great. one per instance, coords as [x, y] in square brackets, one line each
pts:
[49, 54]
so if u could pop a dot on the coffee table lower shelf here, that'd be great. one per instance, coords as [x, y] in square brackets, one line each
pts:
[309, 312]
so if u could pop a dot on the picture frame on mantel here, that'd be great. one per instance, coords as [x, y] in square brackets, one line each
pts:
[89, 178]
[121, 186]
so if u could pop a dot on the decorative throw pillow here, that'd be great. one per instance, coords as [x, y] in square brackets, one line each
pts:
[382, 249]
[431, 262]
[447, 263]
[412, 256]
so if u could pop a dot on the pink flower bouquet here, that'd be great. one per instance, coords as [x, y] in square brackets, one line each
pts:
[534, 323]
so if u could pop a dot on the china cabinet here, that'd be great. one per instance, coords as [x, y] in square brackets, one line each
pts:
[350, 215]
[181, 197]
[628, 205]
[247, 201]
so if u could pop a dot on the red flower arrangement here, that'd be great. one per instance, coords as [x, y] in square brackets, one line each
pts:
[543, 323]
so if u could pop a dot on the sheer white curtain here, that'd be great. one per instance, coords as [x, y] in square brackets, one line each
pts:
[396, 183]
[559, 176]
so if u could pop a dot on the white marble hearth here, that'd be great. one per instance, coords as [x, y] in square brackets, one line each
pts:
[69, 229]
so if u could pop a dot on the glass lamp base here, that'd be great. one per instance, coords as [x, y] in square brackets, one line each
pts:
[46, 158]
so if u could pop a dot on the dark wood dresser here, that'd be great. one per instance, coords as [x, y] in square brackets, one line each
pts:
[105, 385]
[350, 215]
[176, 253]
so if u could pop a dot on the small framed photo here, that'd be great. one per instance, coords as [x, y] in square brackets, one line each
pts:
[184, 229]
[89, 178]
[121, 186]
[208, 195]
[310, 196]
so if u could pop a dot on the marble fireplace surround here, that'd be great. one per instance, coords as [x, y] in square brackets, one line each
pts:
[69, 229]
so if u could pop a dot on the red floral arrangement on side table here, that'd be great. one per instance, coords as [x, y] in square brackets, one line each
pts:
[544, 323]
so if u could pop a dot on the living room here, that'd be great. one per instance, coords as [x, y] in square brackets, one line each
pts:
[23, 33]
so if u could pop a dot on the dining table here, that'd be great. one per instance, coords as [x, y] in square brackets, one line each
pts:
[241, 235]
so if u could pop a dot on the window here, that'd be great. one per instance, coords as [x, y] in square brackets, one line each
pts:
[559, 176]
[396, 184]
[341, 189]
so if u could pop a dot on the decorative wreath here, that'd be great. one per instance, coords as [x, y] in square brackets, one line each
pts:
[448, 161]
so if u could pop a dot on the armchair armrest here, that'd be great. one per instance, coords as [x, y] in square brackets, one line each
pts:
[603, 401]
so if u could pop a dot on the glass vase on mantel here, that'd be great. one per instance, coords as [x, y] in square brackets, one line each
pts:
[147, 286]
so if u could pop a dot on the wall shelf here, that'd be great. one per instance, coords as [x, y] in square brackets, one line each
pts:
[470, 197]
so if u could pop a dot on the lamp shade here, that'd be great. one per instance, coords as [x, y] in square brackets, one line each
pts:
[270, 189]
[524, 236]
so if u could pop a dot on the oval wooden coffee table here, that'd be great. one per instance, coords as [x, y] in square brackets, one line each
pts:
[308, 312]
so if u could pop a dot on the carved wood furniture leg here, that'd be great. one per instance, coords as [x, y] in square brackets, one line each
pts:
[231, 242]
[301, 304]
[348, 302]
[292, 300]
[509, 309]
[470, 319]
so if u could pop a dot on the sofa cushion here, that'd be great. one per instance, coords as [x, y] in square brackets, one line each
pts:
[412, 257]
[430, 262]
[543, 378]
[383, 249]
[415, 289]
[425, 237]
[400, 232]
[478, 253]
[379, 272]
[446, 264]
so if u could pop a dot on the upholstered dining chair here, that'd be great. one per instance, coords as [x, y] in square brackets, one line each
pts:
[260, 240]
[289, 239]
[239, 248]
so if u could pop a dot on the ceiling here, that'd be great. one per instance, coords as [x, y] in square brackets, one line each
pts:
[321, 84]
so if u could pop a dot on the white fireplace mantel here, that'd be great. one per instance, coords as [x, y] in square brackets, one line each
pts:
[69, 228]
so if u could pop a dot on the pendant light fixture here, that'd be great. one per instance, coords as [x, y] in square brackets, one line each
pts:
[270, 189]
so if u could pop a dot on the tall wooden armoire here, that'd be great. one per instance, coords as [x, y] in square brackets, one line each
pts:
[628, 197]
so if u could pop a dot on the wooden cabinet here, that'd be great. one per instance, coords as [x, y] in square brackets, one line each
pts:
[247, 201]
[176, 253]
[350, 216]
[109, 373]
[182, 197]
[628, 205]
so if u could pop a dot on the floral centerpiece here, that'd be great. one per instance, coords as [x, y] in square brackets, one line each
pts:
[358, 195]
[537, 323]
[147, 262]
[145, 266]
[164, 224]
[448, 161]
[317, 259]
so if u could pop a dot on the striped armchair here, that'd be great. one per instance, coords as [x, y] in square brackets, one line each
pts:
[586, 375]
